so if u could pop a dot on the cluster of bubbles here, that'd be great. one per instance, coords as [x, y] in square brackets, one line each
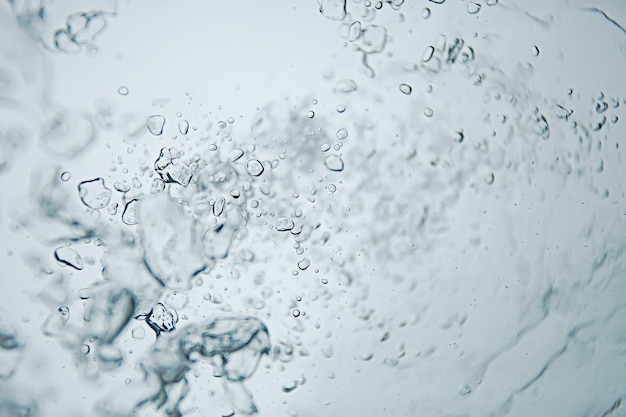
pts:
[173, 261]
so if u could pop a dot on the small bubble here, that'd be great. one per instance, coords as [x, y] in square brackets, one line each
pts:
[325, 147]
[85, 349]
[129, 215]
[334, 163]
[304, 263]
[570, 91]
[235, 155]
[122, 91]
[341, 108]
[218, 207]
[231, 120]
[221, 124]
[112, 210]
[295, 312]
[324, 281]
[342, 134]
[65, 176]
[332, 188]
[425, 13]
[489, 179]
[94, 193]
[327, 350]
[235, 193]
[284, 224]
[345, 86]
[535, 50]
[310, 114]
[155, 124]
[183, 127]
[492, 2]
[298, 298]
[428, 53]
[406, 89]
[127, 381]
[69, 257]
[428, 112]
[459, 136]
[314, 101]
[254, 167]
[473, 8]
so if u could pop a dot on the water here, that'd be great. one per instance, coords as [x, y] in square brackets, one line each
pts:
[419, 210]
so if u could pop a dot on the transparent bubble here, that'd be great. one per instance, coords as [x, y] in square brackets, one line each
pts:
[284, 224]
[342, 134]
[406, 89]
[473, 8]
[334, 163]
[155, 124]
[122, 91]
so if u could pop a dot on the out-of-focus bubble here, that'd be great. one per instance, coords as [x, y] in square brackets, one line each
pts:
[67, 134]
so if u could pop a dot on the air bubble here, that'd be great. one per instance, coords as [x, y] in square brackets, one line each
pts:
[342, 134]
[325, 147]
[94, 194]
[235, 155]
[473, 8]
[69, 257]
[295, 312]
[304, 263]
[341, 108]
[284, 224]
[406, 89]
[254, 167]
[65, 176]
[345, 86]
[428, 53]
[425, 13]
[218, 207]
[332, 188]
[155, 124]
[428, 112]
[535, 50]
[122, 91]
[492, 2]
[333, 9]
[334, 163]
[183, 127]
[310, 114]
[129, 215]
